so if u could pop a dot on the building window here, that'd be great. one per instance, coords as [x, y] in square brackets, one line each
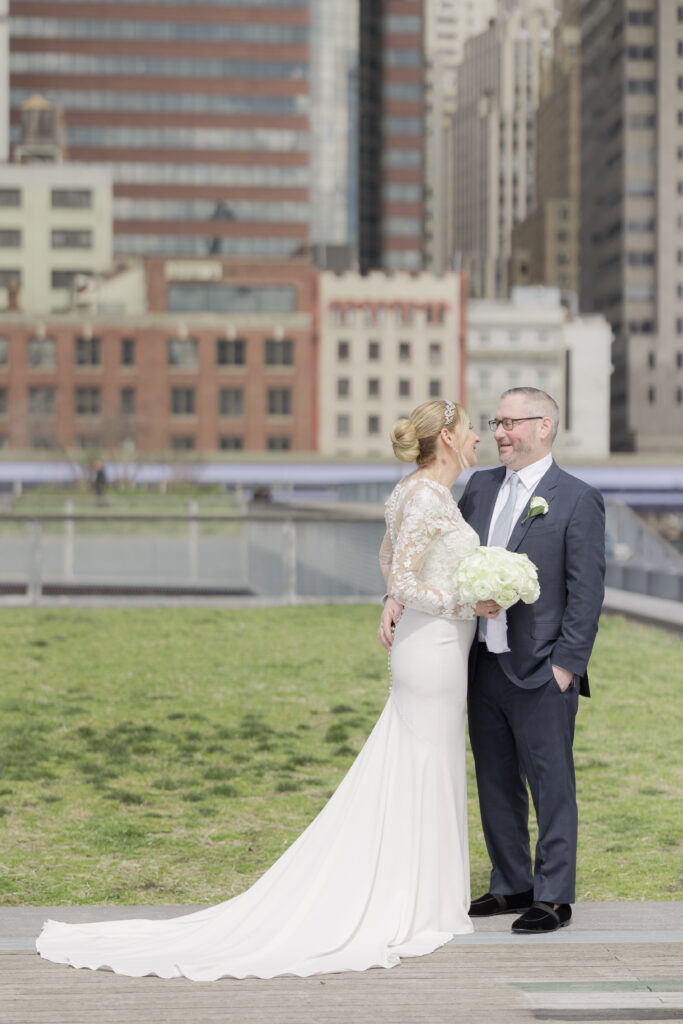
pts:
[651, 395]
[65, 278]
[279, 444]
[343, 387]
[88, 351]
[71, 198]
[41, 353]
[10, 238]
[679, 396]
[128, 351]
[183, 352]
[8, 276]
[127, 401]
[374, 350]
[231, 352]
[183, 443]
[41, 401]
[4, 351]
[279, 402]
[71, 239]
[435, 389]
[279, 352]
[404, 389]
[88, 401]
[3, 401]
[373, 425]
[435, 353]
[182, 401]
[484, 380]
[404, 351]
[10, 197]
[679, 360]
[230, 443]
[651, 360]
[231, 402]
[343, 425]
[374, 387]
[343, 351]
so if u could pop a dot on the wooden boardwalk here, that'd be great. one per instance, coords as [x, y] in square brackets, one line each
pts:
[491, 981]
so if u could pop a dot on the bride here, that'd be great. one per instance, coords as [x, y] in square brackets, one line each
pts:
[383, 871]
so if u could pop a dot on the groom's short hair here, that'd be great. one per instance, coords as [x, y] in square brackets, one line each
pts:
[540, 403]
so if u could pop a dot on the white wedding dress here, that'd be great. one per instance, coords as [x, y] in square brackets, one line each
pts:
[383, 871]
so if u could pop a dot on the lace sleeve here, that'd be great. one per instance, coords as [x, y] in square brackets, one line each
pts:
[425, 517]
[386, 553]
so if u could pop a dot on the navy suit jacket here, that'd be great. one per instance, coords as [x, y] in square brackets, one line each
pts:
[567, 545]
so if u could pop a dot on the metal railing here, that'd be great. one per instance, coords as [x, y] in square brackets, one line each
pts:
[276, 553]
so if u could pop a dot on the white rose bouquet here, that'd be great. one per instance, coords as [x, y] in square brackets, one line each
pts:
[496, 574]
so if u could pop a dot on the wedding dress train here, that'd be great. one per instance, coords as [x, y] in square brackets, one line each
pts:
[382, 872]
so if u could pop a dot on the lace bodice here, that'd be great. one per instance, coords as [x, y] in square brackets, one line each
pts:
[425, 541]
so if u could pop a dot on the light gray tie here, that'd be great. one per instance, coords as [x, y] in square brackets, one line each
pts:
[501, 529]
[503, 524]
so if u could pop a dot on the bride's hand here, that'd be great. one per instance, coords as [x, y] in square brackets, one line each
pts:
[487, 609]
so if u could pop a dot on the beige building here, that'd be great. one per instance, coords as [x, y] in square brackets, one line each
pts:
[532, 340]
[448, 24]
[631, 243]
[55, 224]
[545, 243]
[386, 343]
[494, 140]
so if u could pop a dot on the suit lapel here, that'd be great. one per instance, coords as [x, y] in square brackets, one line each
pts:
[486, 502]
[545, 488]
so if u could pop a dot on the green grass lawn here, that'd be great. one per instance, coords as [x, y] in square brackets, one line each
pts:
[170, 755]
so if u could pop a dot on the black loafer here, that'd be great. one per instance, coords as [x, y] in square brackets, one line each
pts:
[492, 903]
[543, 917]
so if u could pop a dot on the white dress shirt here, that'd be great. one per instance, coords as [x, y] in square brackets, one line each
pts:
[529, 477]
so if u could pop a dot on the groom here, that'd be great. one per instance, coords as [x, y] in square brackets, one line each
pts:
[523, 699]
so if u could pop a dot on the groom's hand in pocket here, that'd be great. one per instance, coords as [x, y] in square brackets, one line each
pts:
[391, 614]
[563, 677]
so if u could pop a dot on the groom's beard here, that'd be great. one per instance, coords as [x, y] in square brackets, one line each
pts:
[518, 449]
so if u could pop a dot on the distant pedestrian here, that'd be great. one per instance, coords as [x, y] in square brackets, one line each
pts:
[99, 481]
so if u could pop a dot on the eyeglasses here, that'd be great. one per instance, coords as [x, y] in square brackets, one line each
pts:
[507, 423]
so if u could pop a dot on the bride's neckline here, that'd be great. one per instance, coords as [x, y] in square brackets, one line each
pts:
[413, 477]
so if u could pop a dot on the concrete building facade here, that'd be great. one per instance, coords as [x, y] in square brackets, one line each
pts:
[493, 140]
[55, 225]
[531, 340]
[631, 242]
[223, 356]
[387, 343]
[545, 245]
[448, 26]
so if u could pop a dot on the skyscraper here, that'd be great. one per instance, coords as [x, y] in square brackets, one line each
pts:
[402, 130]
[448, 26]
[334, 82]
[493, 140]
[631, 243]
[545, 244]
[202, 109]
[4, 80]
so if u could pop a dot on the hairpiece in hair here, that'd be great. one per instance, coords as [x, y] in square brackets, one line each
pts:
[450, 412]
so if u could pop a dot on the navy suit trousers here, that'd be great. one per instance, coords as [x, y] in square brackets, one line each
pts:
[520, 735]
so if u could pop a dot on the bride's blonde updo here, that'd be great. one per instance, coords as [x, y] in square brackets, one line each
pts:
[414, 439]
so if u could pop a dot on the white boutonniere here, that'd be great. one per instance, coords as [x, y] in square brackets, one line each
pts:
[538, 506]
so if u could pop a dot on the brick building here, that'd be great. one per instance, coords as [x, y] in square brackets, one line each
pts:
[171, 376]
